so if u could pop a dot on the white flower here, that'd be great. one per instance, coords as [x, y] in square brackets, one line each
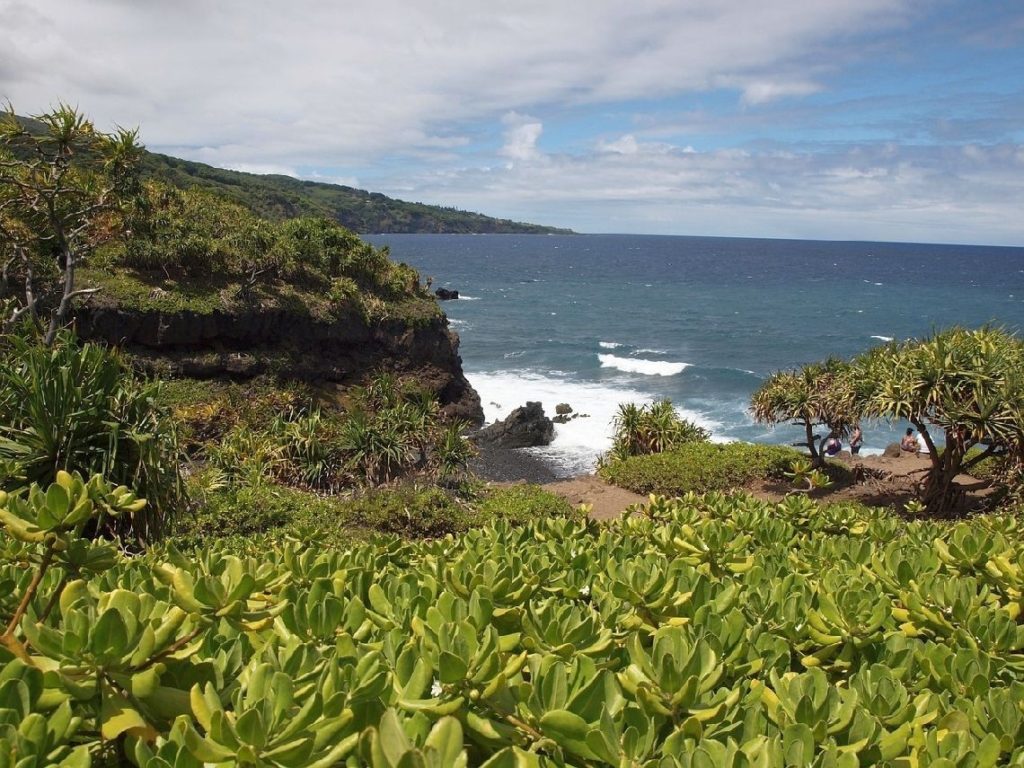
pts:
[436, 690]
[585, 590]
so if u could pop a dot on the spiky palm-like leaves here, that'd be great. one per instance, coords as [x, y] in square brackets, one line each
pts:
[966, 385]
[645, 429]
[816, 394]
[79, 408]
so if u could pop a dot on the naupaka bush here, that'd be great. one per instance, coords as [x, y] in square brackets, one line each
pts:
[704, 631]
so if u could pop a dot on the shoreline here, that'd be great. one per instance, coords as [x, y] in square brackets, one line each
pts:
[511, 465]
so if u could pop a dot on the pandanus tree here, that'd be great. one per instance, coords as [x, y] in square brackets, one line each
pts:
[62, 186]
[818, 394]
[966, 386]
[654, 428]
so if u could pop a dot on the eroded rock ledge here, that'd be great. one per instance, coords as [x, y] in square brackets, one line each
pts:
[245, 344]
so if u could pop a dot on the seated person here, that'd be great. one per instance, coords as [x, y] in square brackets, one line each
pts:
[909, 443]
[832, 445]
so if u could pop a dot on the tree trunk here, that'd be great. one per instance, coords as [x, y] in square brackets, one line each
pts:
[817, 458]
[939, 494]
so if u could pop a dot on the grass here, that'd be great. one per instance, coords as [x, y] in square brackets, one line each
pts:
[240, 512]
[699, 467]
[132, 290]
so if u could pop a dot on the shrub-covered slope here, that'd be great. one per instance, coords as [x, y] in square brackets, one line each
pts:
[710, 631]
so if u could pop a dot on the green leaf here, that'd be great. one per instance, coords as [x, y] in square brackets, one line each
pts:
[118, 716]
[452, 668]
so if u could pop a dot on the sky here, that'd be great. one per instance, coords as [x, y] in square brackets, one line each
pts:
[827, 119]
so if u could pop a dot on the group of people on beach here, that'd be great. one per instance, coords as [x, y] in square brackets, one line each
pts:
[909, 444]
[833, 445]
[912, 444]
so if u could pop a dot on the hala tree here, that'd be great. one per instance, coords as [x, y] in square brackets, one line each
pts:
[966, 386]
[816, 394]
[62, 184]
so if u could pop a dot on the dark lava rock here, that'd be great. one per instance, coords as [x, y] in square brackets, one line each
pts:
[525, 427]
[892, 450]
[563, 409]
[445, 294]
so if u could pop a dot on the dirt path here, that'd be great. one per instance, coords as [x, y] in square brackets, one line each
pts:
[607, 501]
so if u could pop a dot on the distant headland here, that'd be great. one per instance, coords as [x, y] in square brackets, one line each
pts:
[279, 197]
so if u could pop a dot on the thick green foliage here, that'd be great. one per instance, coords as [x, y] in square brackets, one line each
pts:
[234, 511]
[816, 394]
[708, 631]
[523, 503]
[700, 467]
[80, 408]
[646, 429]
[966, 386]
[412, 512]
[200, 235]
[389, 430]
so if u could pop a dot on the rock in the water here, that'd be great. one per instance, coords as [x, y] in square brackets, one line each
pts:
[445, 294]
[563, 409]
[892, 450]
[525, 427]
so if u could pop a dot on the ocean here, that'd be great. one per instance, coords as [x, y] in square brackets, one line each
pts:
[596, 320]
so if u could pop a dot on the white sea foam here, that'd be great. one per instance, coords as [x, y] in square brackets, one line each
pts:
[608, 344]
[468, 298]
[510, 355]
[458, 323]
[651, 352]
[579, 442]
[882, 338]
[646, 367]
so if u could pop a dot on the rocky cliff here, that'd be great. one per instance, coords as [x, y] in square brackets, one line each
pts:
[249, 343]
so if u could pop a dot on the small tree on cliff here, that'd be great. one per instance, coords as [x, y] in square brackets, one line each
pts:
[816, 394]
[62, 184]
[967, 385]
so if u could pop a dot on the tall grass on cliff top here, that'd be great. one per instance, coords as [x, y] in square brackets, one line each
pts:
[80, 408]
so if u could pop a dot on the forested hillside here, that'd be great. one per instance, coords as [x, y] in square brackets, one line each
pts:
[281, 197]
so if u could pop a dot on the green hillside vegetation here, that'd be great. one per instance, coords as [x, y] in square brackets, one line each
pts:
[279, 197]
[193, 249]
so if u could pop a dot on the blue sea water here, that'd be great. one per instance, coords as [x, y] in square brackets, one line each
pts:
[594, 320]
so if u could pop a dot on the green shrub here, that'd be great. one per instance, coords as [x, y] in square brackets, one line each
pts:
[523, 503]
[699, 467]
[646, 429]
[194, 233]
[412, 512]
[80, 408]
[710, 631]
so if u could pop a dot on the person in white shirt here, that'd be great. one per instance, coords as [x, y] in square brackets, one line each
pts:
[922, 446]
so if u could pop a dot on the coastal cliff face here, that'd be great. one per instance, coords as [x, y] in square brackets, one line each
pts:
[245, 344]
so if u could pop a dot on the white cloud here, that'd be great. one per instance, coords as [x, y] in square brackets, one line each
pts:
[763, 91]
[521, 137]
[467, 103]
[626, 145]
[315, 83]
[857, 192]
